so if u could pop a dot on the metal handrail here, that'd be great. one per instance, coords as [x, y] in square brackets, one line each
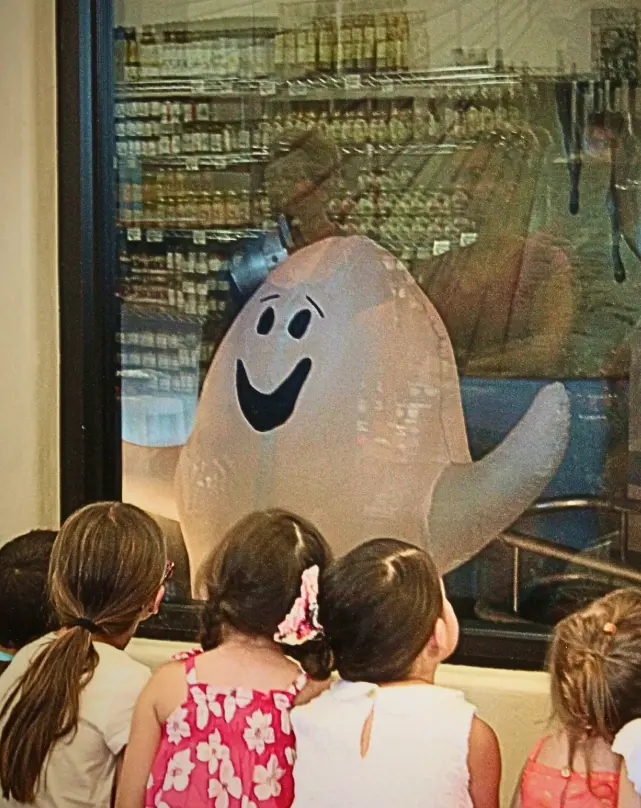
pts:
[544, 547]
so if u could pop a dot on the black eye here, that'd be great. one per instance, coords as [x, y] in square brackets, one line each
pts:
[299, 323]
[266, 321]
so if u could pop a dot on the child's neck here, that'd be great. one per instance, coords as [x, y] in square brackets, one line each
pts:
[235, 639]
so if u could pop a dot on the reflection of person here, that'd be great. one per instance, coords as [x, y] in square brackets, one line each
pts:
[217, 723]
[68, 697]
[594, 664]
[300, 186]
[25, 610]
[385, 733]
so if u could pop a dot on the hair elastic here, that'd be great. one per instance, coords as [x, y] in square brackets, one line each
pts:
[609, 628]
[86, 623]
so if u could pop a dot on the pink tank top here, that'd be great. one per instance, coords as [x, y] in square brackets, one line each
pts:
[225, 748]
[543, 785]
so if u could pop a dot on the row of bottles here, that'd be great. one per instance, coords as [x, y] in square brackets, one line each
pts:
[169, 359]
[389, 213]
[179, 128]
[161, 197]
[362, 43]
[180, 279]
[149, 53]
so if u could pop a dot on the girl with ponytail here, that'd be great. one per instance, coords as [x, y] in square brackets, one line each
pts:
[67, 698]
[595, 677]
[213, 729]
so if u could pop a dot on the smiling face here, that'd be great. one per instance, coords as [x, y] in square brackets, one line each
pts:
[267, 410]
[334, 394]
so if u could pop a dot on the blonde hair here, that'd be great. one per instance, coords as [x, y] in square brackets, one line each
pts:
[107, 564]
[594, 663]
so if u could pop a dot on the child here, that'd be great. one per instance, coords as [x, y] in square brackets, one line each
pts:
[68, 697]
[25, 608]
[594, 664]
[385, 734]
[214, 730]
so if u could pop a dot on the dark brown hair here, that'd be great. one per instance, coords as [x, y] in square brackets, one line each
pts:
[107, 565]
[594, 663]
[379, 605]
[25, 609]
[252, 578]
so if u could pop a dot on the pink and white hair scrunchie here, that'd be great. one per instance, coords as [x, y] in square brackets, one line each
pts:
[302, 624]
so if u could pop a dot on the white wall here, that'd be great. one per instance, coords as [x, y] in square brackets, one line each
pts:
[28, 280]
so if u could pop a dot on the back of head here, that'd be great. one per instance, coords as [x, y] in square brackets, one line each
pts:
[25, 608]
[252, 578]
[379, 605]
[107, 566]
[594, 663]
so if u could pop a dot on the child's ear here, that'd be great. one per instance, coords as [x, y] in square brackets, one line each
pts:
[439, 641]
[158, 600]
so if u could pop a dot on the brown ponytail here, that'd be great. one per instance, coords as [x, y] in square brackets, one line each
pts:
[107, 565]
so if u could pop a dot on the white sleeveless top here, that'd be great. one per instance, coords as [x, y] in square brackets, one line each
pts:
[417, 754]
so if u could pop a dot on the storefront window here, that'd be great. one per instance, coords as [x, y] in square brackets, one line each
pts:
[489, 146]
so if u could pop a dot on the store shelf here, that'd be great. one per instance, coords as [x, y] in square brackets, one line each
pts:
[350, 85]
[199, 236]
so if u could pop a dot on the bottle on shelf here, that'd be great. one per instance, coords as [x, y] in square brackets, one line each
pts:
[368, 59]
[357, 60]
[326, 61]
[381, 42]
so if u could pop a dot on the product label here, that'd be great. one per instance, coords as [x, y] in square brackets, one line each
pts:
[441, 247]
[468, 238]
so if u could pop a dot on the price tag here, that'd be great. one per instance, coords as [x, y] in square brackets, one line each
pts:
[199, 86]
[219, 162]
[191, 164]
[298, 90]
[267, 88]
[134, 234]
[388, 88]
[155, 236]
[199, 237]
[468, 238]
[352, 82]
[441, 247]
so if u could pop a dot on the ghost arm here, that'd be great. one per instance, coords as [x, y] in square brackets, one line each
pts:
[148, 478]
[473, 502]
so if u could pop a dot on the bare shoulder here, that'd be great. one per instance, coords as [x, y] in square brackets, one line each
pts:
[482, 737]
[311, 690]
[167, 688]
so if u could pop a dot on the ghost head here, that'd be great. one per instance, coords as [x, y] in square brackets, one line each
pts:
[335, 395]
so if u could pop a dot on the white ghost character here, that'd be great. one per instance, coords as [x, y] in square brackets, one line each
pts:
[335, 395]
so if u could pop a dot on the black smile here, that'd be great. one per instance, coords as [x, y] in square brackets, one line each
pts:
[266, 411]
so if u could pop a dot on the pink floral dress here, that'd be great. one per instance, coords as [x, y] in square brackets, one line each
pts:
[225, 748]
